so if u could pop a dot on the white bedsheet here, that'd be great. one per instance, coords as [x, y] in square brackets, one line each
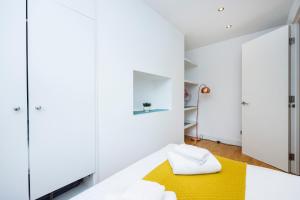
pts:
[261, 183]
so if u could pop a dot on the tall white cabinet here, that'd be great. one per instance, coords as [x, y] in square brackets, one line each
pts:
[61, 96]
[13, 103]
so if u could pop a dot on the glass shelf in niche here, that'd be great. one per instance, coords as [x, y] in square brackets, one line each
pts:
[139, 112]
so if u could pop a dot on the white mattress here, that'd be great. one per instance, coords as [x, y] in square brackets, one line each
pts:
[261, 183]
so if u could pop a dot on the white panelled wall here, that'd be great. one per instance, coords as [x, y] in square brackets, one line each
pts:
[220, 66]
[65, 86]
[131, 36]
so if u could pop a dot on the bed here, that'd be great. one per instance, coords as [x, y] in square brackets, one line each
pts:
[261, 183]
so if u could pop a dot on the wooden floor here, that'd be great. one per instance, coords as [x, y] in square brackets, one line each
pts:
[227, 151]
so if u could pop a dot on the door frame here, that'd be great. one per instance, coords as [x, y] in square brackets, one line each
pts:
[297, 94]
[295, 32]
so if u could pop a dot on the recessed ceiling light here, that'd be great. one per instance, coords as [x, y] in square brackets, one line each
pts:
[228, 26]
[221, 9]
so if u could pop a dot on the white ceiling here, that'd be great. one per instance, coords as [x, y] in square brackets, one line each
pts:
[202, 24]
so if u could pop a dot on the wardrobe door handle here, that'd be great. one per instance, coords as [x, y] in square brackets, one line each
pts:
[244, 103]
[17, 109]
[39, 108]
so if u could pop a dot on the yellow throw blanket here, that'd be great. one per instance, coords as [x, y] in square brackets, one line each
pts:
[229, 184]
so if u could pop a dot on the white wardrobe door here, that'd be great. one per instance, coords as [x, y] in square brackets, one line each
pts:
[13, 105]
[62, 96]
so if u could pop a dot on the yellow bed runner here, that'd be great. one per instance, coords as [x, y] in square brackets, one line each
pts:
[229, 184]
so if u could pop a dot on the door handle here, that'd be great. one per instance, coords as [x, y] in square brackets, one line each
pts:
[38, 108]
[244, 103]
[17, 109]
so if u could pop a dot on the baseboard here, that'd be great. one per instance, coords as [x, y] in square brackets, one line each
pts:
[222, 140]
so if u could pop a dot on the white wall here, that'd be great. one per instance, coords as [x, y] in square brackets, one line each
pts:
[84, 7]
[131, 36]
[220, 67]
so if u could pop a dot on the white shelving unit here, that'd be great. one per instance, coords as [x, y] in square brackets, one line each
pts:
[190, 108]
[189, 63]
[188, 125]
[190, 83]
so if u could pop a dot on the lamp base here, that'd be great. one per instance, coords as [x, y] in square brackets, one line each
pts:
[195, 139]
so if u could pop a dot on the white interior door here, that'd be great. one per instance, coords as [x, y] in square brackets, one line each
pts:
[62, 96]
[13, 104]
[265, 93]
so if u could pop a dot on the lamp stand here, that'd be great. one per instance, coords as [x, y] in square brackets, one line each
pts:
[197, 138]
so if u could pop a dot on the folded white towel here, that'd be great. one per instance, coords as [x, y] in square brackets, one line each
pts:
[185, 166]
[144, 190]
[196, 153]
[169, 196]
